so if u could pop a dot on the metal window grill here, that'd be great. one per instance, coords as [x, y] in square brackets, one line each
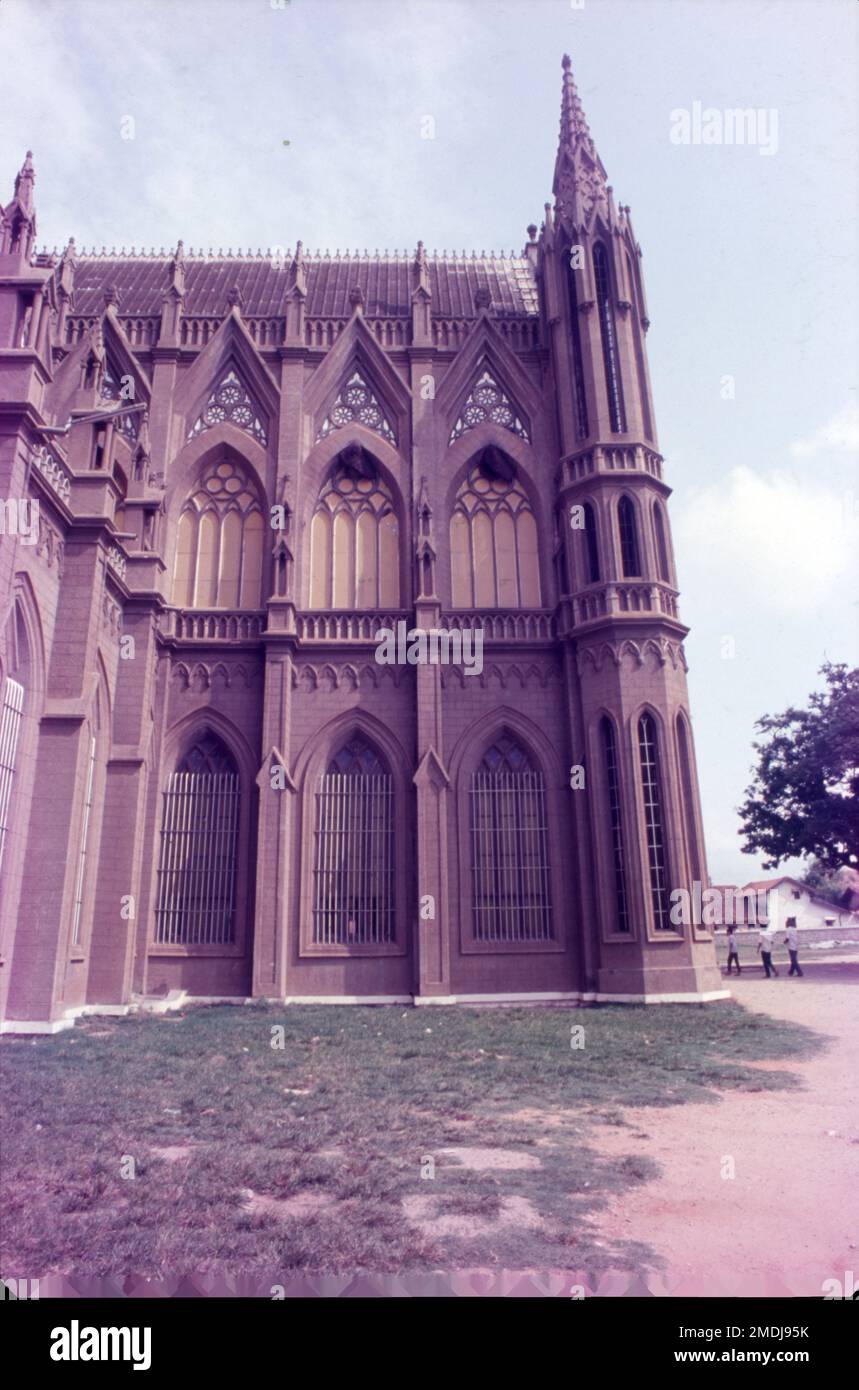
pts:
[613, 383]
[615, 824]
[199, 852]
[81, 879]
[10, 729]
[656, 857]
[511, 899]
[353, 873]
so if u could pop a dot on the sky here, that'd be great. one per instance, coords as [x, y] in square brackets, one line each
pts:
[255, 123]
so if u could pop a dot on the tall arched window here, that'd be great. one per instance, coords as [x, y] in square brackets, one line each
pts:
[354, 543]
[654, 821]
[578, 370]
[592, 554]
[661, 543]
[511, 898]
[196, 904]
[220, 547]
[688, 787]
[353, 867]
[613, 383]
[615, 822]
[630, 557]
[14, 694]
[493, 544]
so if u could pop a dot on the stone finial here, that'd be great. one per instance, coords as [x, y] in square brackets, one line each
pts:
[235, 298]
[111, 297]
[356, 298]
[482, 297]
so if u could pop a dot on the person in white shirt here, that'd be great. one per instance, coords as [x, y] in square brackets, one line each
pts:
[791, 938]
[765, 946]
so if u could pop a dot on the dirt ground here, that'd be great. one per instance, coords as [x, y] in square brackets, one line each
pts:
[789, 1218]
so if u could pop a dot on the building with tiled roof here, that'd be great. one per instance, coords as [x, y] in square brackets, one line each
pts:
[340, 653]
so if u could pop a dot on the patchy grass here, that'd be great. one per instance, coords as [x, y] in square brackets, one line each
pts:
[204, 1111]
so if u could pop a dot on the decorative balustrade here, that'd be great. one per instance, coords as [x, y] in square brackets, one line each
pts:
[347, 626]
[117, 560]
[611, 458]
[522, 335]
[523, 625]
[211, 625]
[626, 597]
[54, 471]
[141, 332]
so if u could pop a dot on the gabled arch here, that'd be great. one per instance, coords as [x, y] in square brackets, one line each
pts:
[356, 349]
[230, 347]
[485, 346]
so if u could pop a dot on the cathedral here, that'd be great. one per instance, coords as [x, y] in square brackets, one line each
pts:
[340, 652]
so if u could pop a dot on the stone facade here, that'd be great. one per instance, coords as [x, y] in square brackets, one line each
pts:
[248, 361]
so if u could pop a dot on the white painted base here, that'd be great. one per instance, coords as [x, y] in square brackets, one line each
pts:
[708, 997]
[110, 1010]
[346, 999]
[26, 1025]
[552, 997]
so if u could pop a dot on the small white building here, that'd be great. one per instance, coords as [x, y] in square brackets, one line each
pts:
[787, 897]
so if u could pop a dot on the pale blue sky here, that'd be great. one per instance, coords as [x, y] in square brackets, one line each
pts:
[750, 261]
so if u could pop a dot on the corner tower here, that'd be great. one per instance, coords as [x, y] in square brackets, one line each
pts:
[620, 622]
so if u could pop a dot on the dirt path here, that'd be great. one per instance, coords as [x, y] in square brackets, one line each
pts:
[789, 1219]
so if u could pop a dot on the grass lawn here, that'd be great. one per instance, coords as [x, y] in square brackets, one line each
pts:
[188, 1143]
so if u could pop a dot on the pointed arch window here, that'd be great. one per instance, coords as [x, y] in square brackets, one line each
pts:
[356, 402]
[578, 368]
[592, 554]
[661, 543]
[493, 543]
[613, 382]
[688, 788]
[353, 866]
[630, 557]
[654, 821]
[197, 871]
[354, 542]
[80, 882]
[487, 401]
[615, 822]
[12, 705]
[511, 894]
[230, 402]
[219, 553]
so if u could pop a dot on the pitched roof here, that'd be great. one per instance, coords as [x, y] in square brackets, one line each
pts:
[385, 281]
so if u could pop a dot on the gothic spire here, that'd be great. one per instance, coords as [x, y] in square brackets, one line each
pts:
[580, 178]
[24, 183]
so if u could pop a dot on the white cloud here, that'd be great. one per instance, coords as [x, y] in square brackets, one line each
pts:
[841, 433]
[770, 542]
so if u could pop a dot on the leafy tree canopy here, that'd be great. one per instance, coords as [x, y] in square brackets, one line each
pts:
[804, 800]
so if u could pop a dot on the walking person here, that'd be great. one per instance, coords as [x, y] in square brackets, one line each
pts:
[792, 942]
[765, 946]
[732, 949]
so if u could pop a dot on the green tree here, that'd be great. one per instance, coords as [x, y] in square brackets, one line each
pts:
[804, 800]
[823, 881]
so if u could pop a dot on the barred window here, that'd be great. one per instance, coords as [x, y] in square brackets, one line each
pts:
[493, 543]
[353, 870]
[219, 550]
[354, 543]
[199, 849]
[10, 729]
[651, 782]
[615, 823]
[511, 899]
[84, 846]
[613, 383]
[628, 528]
